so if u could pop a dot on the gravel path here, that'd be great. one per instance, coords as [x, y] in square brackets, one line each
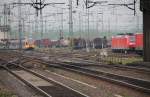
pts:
[16, 86]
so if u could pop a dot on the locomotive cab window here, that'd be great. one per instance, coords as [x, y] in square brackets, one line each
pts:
[132, 39]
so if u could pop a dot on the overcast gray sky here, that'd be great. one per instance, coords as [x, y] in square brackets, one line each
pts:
[116, 19]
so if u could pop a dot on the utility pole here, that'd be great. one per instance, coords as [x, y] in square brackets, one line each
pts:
[70, 24]
[0, 20]
[41, 19]
[88, 32]
[45, 26]
[35, 26]
[80, 24]
[102, 22]
[108, 26]
[30, 28]
[116, 20]
[9, 22]
[5, 19]
[23, 26]
[137, 19]
[62, 24]
[32, 24]
[20, 30]
[20, 26]
[98, 22]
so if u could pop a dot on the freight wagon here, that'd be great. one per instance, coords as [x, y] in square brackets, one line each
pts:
[97, 43]
[79, 43]
[100, 43]
[43, 43]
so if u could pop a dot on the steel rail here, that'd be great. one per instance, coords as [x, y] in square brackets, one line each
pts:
[137, 84]
[27, 83]
[42, 77]
[92, 63]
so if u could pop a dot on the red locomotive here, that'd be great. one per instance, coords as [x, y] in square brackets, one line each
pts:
[127, 42]
[139, 42]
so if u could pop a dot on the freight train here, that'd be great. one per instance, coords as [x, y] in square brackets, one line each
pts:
[127, 42]
[44, 43]
[97, 43]
[78, 43]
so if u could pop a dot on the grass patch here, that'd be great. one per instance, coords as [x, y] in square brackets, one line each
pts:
[116, 60]
[4, 93]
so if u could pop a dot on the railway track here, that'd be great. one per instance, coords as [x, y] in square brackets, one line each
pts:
[137, 84]
[43, 85]
[139, 65]
[123, 67]
[82, 62]
[134, 83]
